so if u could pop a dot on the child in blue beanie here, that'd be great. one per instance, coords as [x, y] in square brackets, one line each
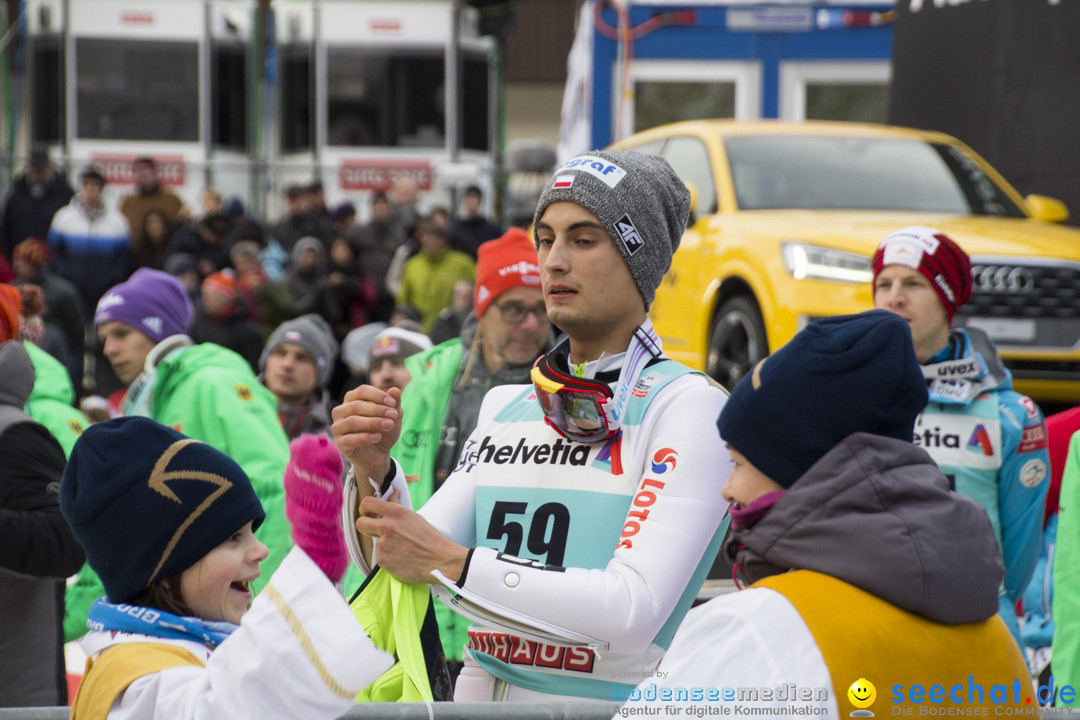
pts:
[864, 565]
[168, 524]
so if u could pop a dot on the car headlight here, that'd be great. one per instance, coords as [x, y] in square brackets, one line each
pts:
[813, 262]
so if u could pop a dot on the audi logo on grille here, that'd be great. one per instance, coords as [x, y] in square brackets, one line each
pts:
[1002, 279]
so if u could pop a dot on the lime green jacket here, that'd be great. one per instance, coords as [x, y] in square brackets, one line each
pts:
[1066, 579]
[52, 401]
[393, 614]
[424, 404]
[210, 393]
[427, 281]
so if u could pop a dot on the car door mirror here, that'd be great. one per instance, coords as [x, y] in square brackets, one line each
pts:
[1047, 209]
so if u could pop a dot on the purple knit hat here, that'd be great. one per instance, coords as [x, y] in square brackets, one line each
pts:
[151, 301]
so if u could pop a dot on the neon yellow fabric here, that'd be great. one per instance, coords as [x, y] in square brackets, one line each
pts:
[392, 613]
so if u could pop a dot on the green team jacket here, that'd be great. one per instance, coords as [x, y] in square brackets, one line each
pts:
[210, 393]
[424, 404]
[1065, 592]
[51, 402]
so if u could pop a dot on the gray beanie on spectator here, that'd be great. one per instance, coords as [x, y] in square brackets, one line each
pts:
[312, 333]
[639, 199]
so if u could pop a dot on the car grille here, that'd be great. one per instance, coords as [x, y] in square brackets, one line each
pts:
[1024, 291]
[1027, 305]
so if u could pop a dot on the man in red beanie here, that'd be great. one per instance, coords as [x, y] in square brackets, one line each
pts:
[442, 401]
[988, 439]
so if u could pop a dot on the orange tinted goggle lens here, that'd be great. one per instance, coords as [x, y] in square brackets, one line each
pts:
[574, 407]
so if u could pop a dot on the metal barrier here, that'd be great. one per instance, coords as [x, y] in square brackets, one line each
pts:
[578, 710]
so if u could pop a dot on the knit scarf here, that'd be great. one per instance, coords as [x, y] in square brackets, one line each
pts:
[140, 620]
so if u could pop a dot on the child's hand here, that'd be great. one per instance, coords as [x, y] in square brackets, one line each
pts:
[313, 499]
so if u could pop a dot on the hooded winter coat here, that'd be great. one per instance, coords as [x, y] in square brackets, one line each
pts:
[37, 549]
[878, 514]
[902, 575]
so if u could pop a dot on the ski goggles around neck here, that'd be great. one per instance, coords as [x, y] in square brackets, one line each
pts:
[575, 407]
[587, 410]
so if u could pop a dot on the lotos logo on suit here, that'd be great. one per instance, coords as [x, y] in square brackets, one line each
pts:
[664, 459]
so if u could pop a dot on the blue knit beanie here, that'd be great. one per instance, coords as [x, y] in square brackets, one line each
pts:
[147, 503]
[838, 376]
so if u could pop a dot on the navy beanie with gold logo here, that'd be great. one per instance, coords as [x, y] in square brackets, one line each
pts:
[147, 503]
[837, 376]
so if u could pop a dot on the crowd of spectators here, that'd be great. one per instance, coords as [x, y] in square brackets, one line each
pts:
[244, 277]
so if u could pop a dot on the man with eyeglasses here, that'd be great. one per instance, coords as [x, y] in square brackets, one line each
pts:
[585, 508]
[497, 346]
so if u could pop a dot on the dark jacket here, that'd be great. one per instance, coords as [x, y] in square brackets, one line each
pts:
[468, 234]
[309, 288]
[877, 513]
[375, 245]
[37, 549]
[24, 215]
[236, 332]
[64, 312]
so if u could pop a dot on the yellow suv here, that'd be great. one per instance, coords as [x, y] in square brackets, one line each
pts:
[787, 215]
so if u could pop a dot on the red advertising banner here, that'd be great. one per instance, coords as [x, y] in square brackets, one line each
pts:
[117, 168]
[381, 174]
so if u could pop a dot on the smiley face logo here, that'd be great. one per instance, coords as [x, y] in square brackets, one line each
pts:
[862, 693]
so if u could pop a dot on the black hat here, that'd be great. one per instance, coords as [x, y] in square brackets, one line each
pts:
[147, 503]
[39, 158]
[837, 376]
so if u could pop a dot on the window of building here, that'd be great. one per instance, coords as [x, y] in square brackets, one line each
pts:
[229, 95]
[388, 98]
[136, 89]
[475, 107]
[47, 101]
[296, 104]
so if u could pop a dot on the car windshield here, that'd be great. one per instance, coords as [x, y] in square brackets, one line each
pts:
[860, 173]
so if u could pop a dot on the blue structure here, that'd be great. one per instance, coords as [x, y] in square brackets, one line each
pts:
[772, 53]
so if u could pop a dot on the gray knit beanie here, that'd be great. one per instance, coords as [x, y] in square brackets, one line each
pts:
[639, 199]
[312, 333]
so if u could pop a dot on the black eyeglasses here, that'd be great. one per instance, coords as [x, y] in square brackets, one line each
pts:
[515, 313]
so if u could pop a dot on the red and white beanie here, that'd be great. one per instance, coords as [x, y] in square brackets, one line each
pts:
[935, 255]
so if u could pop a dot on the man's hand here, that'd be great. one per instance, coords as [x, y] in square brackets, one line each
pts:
[366, 425]
[409, 547]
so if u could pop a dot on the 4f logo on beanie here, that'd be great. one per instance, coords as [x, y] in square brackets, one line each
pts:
[629, 234]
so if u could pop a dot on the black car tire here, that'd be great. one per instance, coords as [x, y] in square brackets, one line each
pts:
[737, 341]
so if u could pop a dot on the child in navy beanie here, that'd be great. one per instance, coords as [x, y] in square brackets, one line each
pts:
[168, 524]
[851, 545]
[839, 375]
